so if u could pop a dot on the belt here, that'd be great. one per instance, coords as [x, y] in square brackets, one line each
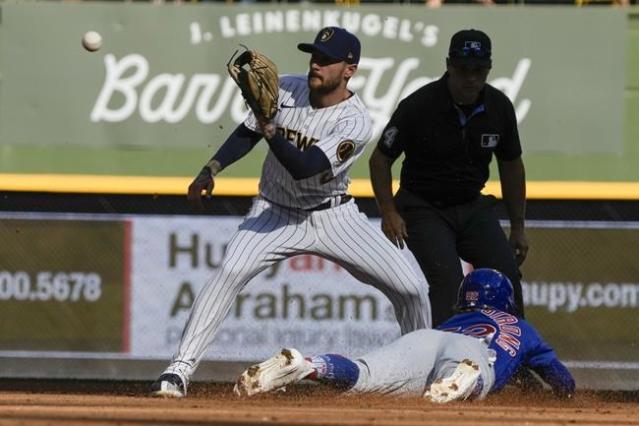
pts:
[345, 198]
[441, 203]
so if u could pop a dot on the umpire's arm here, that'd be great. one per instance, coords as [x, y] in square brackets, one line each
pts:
[513, 188]
[393, 225]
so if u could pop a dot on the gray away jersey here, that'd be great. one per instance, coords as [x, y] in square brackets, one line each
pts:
[341, 131]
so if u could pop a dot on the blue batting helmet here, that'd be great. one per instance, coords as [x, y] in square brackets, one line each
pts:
[486, 288]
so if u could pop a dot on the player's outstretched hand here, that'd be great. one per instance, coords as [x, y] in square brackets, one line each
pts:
[203, 182]
[394, 227]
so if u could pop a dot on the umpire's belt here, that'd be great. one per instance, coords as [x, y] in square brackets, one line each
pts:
[441, 201]
[344, 198]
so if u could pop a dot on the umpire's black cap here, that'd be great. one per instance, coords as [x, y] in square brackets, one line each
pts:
[336, 43]
[470, 48]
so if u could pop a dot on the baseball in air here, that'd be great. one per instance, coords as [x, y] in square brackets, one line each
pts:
[92, 41]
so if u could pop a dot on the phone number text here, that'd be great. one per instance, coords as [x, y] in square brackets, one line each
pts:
[50, 286]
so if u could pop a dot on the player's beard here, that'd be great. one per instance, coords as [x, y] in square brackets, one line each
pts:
[323, 85]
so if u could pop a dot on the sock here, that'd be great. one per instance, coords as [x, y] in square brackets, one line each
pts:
[181, 368]
[335, 370]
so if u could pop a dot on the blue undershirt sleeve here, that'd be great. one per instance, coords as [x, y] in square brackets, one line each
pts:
[237, 145]
[558, 377]
[300, 164]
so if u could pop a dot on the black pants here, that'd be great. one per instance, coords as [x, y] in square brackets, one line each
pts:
[439, 237]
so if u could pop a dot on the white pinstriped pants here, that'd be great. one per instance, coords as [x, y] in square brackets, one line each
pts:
[271, 233]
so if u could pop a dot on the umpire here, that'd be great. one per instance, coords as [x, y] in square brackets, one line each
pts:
[448, 131]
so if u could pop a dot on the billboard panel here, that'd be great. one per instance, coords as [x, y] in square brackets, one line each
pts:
[63, 285]
[156, 99]
[113, 286]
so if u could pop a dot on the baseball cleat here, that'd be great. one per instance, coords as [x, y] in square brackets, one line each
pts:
[169, 385]
[458, 386]
[287, 367]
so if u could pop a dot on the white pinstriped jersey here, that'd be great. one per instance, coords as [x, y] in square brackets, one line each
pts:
[341, 131]
[278, 227]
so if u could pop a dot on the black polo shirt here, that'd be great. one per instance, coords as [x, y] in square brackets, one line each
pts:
[448, 152]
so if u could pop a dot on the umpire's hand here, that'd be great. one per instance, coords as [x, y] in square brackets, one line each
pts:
[519, 243]
[203, 182]
[394, 227]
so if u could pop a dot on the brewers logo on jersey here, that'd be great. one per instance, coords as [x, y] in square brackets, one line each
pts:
[344, 150]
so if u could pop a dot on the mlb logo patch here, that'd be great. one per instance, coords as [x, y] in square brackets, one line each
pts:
[472, 296]
[489, 140]
[471, 44]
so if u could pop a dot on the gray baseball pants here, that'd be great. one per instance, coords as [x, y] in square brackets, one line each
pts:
[411, 363]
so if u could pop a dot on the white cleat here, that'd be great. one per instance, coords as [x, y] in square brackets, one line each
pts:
[285, 368]
[458, 386]
[169, 385]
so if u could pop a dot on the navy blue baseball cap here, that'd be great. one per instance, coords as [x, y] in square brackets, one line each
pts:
[336, 43]
[470, 48]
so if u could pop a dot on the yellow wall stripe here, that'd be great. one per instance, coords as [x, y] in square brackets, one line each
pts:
[98, 184]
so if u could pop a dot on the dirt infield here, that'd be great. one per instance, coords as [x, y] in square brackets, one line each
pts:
[38, 403]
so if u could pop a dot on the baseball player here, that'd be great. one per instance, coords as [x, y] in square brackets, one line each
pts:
[475, 352]
[303, 206]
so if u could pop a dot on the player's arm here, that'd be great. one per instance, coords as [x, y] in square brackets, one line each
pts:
[389, 147]
[300, 164]
[236, 146]
[543, 360]
[558, 377]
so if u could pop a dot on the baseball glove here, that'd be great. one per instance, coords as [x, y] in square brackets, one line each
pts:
[258, 82]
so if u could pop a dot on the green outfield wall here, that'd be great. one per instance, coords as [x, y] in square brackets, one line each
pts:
[156, 100]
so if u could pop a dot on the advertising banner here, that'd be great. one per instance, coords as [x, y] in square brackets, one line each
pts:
[579, 278]
[122, 287]
[305, 302]
[582, 285]
[156, 98]
[63, 285]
